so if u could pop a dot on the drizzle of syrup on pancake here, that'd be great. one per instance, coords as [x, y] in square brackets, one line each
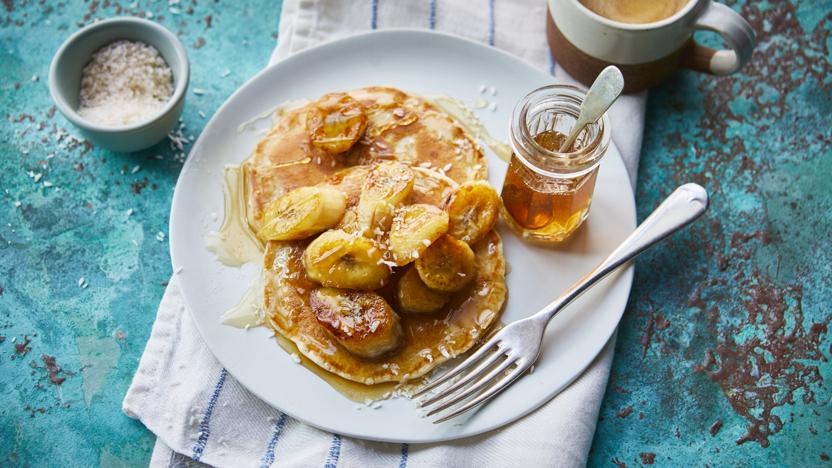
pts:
[354, 391]
[428, 339]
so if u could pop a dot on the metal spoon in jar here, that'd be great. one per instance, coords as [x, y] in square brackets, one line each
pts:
[604, 91]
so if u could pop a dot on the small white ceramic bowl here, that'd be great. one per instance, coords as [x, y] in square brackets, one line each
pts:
[75, 53]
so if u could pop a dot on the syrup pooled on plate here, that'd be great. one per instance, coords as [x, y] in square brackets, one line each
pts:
[543, 207]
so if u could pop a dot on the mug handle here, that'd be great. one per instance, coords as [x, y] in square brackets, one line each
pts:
[734, 29]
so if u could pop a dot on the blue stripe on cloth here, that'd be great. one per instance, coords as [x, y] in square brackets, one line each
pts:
[268, 457]
[334, 452]
[491, 22]
[374, 15]
[205, 424]
[403, 459]
[432, 19]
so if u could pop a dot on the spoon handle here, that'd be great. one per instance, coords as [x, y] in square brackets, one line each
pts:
[604, 91]
[573, 135]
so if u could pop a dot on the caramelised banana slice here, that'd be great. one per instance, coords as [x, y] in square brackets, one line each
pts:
[361, 321]
[387, 185]
[415, 297]
[301, 213]
[447, 265]
[340, 260]
[473, 211]
[335, 122]
[414, 228]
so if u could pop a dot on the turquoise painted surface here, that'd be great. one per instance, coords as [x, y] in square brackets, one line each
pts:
[723, 355]
[747, 286]
[81, 227]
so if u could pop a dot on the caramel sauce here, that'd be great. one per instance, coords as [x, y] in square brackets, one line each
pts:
[433, 338]
[545, 208]
[428, 339]
[234, 244]
[354, 391]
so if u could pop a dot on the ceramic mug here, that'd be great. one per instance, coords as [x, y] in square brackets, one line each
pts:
[584, 42]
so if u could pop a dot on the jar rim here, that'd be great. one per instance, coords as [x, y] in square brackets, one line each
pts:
[570, 164]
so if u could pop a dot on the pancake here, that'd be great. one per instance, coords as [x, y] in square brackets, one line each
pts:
[400, 126]
[428, 340]
[442, 155]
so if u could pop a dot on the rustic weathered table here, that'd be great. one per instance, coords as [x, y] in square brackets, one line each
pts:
[723, 354]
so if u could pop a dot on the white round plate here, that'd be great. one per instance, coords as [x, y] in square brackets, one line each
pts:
[424, 63]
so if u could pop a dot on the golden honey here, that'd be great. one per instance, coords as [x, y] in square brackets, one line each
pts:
[544, 208]
[547, 194]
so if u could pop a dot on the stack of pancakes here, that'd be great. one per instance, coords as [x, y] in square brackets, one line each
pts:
[400, 127]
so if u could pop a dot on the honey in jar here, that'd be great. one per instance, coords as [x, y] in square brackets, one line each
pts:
[547, 194]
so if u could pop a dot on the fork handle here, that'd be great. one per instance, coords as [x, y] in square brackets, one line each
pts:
[684, 205]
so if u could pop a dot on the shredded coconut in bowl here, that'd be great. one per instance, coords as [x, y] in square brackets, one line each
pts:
[125, 82]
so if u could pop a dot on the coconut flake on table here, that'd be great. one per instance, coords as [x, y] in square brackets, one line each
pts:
[124, 82]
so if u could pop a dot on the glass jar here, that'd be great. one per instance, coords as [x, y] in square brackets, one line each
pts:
[547, 194]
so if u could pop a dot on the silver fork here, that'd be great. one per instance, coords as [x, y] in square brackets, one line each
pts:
[512, 350]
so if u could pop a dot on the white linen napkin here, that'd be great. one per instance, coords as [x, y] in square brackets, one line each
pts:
[200, 413]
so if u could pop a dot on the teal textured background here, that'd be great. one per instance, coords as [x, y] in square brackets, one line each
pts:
[723, 354]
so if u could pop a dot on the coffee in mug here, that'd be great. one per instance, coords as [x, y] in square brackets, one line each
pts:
[635, 11]
[648, 40]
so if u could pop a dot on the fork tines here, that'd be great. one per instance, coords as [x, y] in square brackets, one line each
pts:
[481, 376]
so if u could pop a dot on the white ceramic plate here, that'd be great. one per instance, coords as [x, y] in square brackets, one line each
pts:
[424, 63]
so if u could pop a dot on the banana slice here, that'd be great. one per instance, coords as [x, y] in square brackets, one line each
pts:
[415, 297]
[361, 321]
[349, 223]
[473, 210]
[301, 213]
[414, 228]
[447, 265]
[340, 260]
[387, 185]
[335, 122]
